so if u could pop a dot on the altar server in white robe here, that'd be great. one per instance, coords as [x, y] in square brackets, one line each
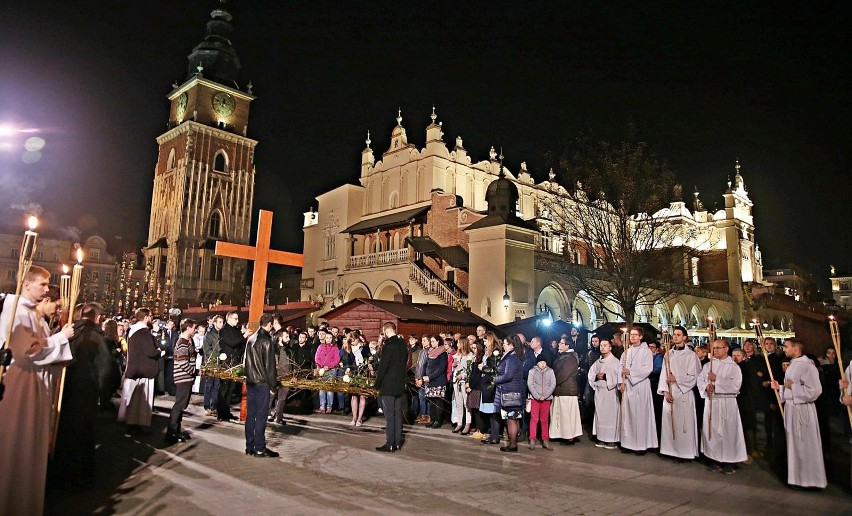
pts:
[25, 409]
[603, 378]
[683, 376]
[722, 440]
[801, 387]
[638, 427]
[846, 395]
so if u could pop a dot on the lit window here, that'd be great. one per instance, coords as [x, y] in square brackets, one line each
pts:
[329, 287]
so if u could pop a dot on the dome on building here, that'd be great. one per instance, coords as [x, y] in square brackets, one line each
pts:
[502, 196]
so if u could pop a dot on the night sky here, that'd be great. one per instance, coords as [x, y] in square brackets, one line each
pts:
[705, 83]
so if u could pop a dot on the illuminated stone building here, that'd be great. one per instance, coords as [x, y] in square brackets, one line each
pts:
[442, 227]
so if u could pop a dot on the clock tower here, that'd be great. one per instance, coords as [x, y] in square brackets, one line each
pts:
[203, 180]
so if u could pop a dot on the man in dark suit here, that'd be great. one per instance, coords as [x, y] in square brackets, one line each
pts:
[390, 381]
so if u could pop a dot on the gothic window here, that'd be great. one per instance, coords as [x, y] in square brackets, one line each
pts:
[394, 200]
[330, 251]
[171, 163]
[216, 266]
[214, 229]
[220, 162]
[198, 267]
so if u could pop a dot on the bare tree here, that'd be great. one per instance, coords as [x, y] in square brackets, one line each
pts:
[626, 245]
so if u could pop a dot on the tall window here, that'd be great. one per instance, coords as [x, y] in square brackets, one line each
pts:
[216, 266]
[198, 267]
[329, 287]
[330, 247]
[215, 226]
[220, 162]
[171, 162]
[695, 270]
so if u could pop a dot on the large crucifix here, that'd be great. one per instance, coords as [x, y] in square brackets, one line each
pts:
[262, 256]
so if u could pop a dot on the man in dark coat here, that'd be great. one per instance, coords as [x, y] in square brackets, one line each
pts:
[390, 381]
[232, 342]
[261, 379]
[74, 462]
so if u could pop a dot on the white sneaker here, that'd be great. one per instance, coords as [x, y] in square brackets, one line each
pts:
[600, 444]
[610, 446]
[357, 423]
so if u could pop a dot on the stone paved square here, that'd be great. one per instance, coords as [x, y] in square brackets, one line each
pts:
[328, 467]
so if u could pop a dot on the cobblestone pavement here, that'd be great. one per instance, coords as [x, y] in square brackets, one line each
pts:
[329, 467]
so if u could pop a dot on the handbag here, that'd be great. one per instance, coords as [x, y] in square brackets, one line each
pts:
[511, 400]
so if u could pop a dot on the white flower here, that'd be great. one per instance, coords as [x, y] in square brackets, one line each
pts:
[346, 378]
[496, 353]
[223, 356]
[321, 371]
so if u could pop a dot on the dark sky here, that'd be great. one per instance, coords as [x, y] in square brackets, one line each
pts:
[705, 83]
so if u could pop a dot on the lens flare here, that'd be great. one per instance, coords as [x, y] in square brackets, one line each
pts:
[34, 144]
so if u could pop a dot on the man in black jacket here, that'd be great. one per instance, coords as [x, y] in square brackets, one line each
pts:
[232, 342]
[74, 462]
[261, 379]
[390, 381]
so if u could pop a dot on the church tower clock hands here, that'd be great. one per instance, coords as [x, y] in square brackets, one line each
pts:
[204, 178]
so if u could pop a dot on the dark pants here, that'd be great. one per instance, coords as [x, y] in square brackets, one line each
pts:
[437, 409]
[280, 402]
[211, 392]
[257, 401]
[495, 432]
[223, 404]
[392, 406]
[182, 393]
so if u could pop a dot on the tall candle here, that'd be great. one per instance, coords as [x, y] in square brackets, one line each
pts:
[76, 275]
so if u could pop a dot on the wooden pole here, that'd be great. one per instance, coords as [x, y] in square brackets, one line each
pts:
[668, 372]
[758, 332]
[25, 260]
[711, 332]
[835, 339]
[626, 344]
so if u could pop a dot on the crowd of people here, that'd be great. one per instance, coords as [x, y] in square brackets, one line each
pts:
[693, 402]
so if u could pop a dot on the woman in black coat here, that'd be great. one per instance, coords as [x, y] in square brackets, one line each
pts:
[488, 367]
[510, 380]
[435, 379]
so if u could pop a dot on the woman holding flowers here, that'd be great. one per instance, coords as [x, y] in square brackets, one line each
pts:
[488, 367]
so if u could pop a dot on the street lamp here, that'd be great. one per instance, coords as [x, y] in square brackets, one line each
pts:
[506, 299]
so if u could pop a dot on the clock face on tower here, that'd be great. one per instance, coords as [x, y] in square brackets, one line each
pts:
[181, 105]
[223, 104]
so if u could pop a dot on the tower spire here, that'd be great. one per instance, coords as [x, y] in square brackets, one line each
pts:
[215, 53]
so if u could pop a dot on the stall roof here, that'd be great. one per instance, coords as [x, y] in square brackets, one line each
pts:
[386, 221]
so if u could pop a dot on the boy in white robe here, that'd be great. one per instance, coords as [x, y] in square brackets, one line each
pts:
[801, 387]
[685, 367]
[603, 379]
[722, 438]
[25, 409]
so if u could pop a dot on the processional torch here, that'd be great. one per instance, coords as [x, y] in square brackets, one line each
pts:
[711, 333]
[835, 339]
[69, 290]
[25, 260]
[758, 332]
[667, 345]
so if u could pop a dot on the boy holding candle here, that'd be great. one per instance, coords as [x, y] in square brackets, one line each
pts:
[25, 409]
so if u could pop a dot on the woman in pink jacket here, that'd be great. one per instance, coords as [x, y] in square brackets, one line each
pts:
[327, 359]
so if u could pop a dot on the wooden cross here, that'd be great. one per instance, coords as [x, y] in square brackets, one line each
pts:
[262, 256]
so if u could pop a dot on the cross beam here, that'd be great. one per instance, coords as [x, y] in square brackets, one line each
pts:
[262, 256]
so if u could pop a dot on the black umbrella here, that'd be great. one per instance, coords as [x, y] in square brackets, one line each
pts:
[607, 330]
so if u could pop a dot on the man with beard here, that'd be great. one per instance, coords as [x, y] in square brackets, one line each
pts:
[679, 400]
[232, 342]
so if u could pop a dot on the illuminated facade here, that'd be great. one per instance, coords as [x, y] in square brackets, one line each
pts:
[419, 224]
